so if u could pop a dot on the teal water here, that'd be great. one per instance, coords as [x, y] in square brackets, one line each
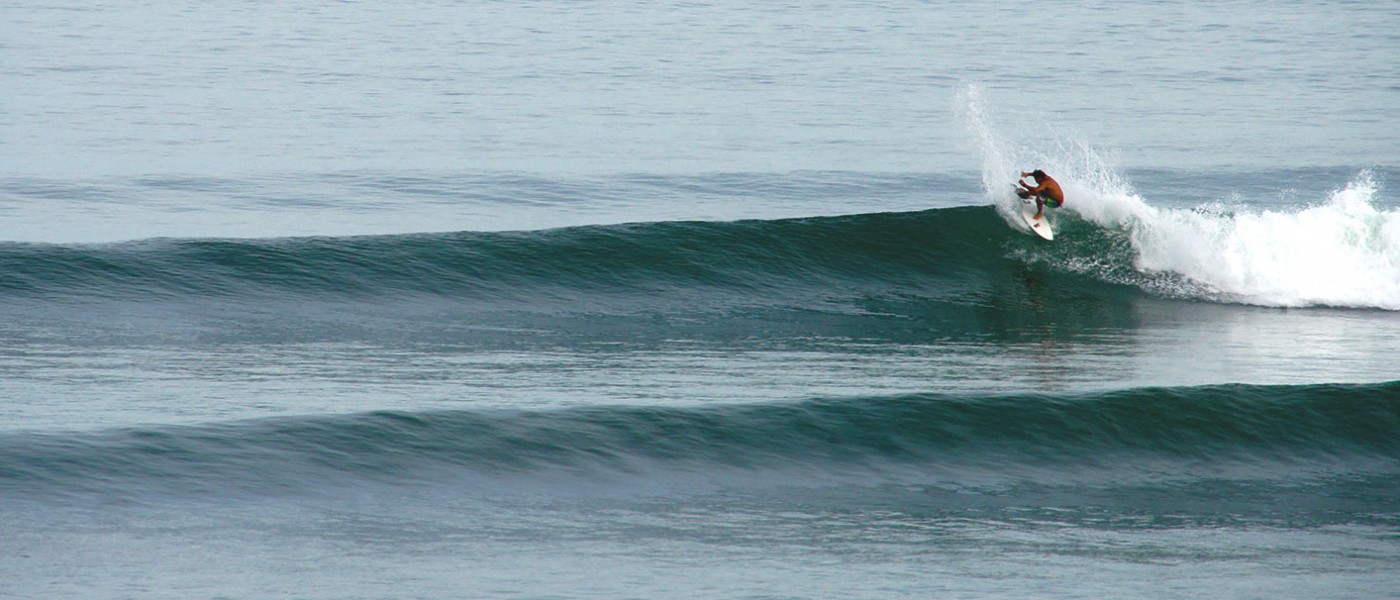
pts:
[559, 300]
[1146, 437]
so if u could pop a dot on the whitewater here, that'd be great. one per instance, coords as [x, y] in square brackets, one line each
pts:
[1340, 251]
[1337, 250]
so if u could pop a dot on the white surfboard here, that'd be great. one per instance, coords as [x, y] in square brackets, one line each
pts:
[1040, 226]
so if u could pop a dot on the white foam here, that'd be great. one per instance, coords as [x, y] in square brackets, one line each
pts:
[1341, 251]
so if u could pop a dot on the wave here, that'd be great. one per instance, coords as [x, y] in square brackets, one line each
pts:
[623, 256]
[1231, 432]
[762, 259]
[1345, 253]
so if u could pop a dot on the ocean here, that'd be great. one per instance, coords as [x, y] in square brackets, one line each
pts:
[336, 300]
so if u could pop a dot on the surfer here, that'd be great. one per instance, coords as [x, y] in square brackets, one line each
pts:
[1047, 191]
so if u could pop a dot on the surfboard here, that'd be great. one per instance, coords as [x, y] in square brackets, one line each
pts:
[1040, 226]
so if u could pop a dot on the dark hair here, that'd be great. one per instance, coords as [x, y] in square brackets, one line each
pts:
[1038, 173]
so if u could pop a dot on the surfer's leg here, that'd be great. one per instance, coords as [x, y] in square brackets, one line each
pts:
[1039, 205]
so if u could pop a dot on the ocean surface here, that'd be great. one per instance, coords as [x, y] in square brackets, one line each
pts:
[336, 300]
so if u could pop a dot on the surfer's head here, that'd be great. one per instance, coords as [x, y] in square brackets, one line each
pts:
[1038, 174]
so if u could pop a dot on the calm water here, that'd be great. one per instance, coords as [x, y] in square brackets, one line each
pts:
[574, 300]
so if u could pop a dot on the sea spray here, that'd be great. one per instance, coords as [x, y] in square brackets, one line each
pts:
[1094, 188]
[999, 163]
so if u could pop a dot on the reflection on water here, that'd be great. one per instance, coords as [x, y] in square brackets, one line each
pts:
[1212, 343]
[1054, 347]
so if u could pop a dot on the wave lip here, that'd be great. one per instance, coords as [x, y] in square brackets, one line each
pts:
[1158, 434]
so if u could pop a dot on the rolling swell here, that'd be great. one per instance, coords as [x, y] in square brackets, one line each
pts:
[945, 249]
[1230, 432]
